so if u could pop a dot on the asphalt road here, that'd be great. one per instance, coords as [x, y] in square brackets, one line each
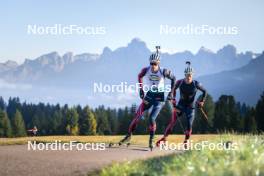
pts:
[18, 160]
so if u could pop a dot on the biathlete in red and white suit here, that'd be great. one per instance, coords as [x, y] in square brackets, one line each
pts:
[154, 97]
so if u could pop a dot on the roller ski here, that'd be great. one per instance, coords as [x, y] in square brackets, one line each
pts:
[124, 141]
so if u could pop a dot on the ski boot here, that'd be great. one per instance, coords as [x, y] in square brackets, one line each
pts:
[186, 144]
[151, 143]
[163, 139]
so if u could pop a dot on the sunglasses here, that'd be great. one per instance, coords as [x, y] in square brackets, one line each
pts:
[153, 63]
[188, 75]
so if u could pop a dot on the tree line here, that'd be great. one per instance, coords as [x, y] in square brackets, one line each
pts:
[224, 115]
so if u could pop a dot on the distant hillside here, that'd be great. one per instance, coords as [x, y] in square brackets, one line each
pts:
[245, 83]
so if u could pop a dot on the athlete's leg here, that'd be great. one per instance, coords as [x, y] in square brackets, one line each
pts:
[157, 106]
[190, 117]
[143, 107]
[176, 112]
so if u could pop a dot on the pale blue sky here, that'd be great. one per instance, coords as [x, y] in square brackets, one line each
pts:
[125, 20]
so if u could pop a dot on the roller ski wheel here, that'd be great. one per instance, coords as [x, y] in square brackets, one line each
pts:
[111, 144]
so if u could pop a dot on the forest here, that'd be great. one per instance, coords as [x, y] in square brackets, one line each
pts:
[224, 115]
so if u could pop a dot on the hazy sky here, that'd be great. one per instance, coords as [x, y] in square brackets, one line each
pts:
[124, 20]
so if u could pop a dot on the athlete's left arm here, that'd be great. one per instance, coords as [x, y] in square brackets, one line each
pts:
[202, 89]
[168, 74]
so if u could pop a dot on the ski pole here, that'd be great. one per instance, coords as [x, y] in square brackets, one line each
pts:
[205, 117]
[204, 114]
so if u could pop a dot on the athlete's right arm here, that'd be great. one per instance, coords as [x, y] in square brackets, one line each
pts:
[202, 89]
[140, 81]
[177, 85]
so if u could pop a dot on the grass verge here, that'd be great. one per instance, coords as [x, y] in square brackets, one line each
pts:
[246, 160]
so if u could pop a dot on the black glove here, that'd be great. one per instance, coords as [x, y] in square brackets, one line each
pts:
[141, 93]
[199, 104]
[170, 97]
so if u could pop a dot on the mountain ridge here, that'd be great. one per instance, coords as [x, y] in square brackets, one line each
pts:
[66, 76]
